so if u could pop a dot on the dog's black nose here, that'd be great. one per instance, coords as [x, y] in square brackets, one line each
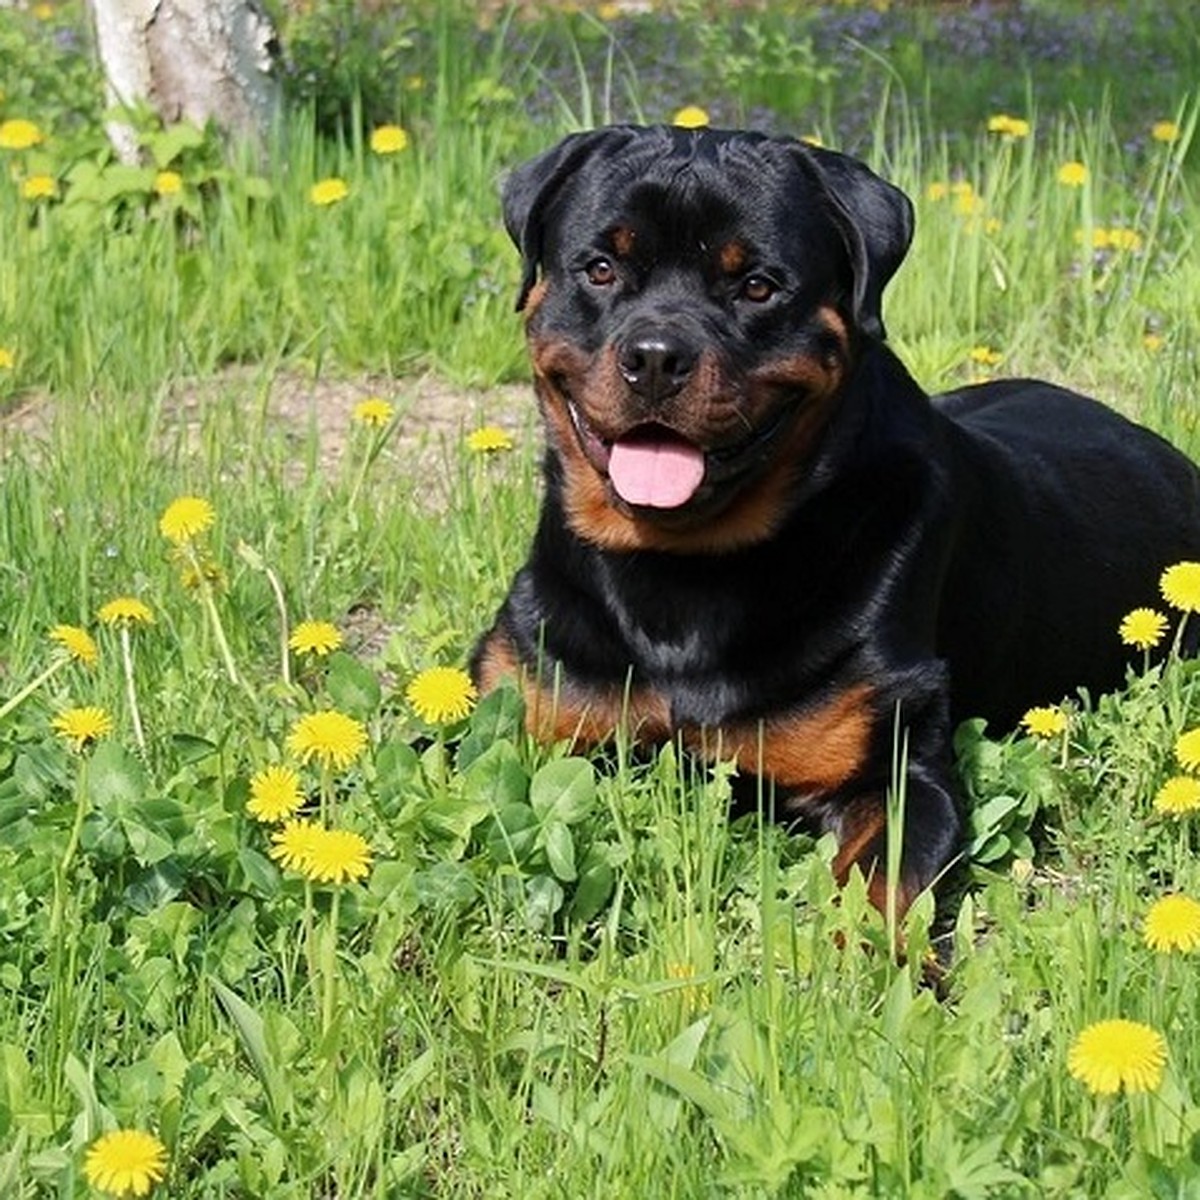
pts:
[655, 365]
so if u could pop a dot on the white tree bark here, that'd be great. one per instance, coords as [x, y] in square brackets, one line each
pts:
[190, 60]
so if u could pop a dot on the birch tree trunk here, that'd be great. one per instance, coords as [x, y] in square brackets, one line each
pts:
[190, 60]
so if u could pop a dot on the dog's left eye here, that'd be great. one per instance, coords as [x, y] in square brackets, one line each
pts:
[758, 289]
[600, 272]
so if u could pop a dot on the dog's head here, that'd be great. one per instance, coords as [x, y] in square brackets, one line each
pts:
[695, 300]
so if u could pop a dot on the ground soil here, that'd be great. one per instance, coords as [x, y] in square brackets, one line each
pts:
[431, 409]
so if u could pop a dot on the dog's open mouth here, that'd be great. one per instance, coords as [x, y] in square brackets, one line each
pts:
[652, 466]
[649, 466]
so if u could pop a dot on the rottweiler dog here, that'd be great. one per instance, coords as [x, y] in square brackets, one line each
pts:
[759, 535]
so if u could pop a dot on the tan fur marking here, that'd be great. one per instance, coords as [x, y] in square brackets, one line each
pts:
[732, 257]
[863, 844]
[533, 301]
[833, 321]
[813, 751]
[556, 713]
[623, 239]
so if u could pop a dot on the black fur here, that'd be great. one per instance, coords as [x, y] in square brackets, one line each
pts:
[966, 556]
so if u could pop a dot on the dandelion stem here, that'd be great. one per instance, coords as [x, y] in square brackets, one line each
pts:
[31, 687]
[214, 617]
[329, 966]
[327, 796]
[359, 481]
[285, 655]
[310, 951]
[58, 907]
[131, 689]
[374, 446]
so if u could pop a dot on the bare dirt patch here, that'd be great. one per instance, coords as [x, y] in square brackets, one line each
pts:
[291, 404]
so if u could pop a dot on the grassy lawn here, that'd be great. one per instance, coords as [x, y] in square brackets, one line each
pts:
[501, 969]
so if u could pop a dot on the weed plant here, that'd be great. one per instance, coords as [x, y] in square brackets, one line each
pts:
[399, 950]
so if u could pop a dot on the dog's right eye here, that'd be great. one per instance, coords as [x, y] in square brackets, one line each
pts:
[600, 272]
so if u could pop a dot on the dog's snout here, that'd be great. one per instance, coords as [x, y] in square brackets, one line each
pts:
[656, 365]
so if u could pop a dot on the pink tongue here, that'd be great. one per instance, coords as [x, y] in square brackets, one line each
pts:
[656, 474]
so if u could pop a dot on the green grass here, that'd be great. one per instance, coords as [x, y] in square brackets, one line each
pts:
[563, 976]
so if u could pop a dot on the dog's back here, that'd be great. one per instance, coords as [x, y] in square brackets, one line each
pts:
[1080, 511]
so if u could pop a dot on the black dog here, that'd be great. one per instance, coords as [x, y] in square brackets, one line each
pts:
[759, 535]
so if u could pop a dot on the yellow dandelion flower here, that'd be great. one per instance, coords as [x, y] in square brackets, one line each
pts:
[1180, 586]
[328, 191]
[1178, 796]
[126, 1162]
[690, 116]
[43, 12]
[1164, 131]
[186, 518]
[82, 726]
[962, 187]
[336, 856]
[331, 737]
[1173, 923]
[1072, 174]
[938, 190]
[1006, 126]
[19, 134]
[1187, 750]
[374, 410]
[39, 187]
[1143, 628]
[489, 439]
[126, 610]
[388, 139]
[985, 356]
[1153, 342]
[608, 12]
[315, 637]
[1045, 722]
[78, 643]
[968, 202]
[441, 694]
[1124, 239]
[8, 359]
[292, 845]
[275, 794]
[1109, 1055]
[168, 183]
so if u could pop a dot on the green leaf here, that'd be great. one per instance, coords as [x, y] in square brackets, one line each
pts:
[497, 778]
[116, 780]
[251, 1033]
[167, 145]
[159, 884]
[191, 748]
[499, 715]
[353, 688]
[564, 790]
[543, 898]
[512, 835]
[596, 879]
[260, 873]
[555, 839]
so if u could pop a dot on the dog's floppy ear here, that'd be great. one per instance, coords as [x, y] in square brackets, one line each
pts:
[876, 221]
[532, 186]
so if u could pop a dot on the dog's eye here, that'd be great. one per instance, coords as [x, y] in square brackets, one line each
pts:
[600, 272]
[758, 289]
